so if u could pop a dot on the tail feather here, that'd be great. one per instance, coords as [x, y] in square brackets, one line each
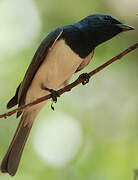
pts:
[12, 158]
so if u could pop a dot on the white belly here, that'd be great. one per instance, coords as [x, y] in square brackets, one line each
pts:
[59, 65]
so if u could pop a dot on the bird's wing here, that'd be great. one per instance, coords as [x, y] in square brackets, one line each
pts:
[37, 60]
[14, 100]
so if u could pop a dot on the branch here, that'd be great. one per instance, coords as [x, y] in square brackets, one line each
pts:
[72, 85]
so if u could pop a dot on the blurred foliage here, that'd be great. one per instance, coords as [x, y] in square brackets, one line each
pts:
[106, 108]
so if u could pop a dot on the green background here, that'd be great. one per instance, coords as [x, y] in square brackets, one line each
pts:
[104, 112]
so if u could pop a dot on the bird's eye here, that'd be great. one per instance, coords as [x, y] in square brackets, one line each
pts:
[106, 18]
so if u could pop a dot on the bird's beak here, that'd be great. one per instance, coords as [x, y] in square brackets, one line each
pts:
[125, 27]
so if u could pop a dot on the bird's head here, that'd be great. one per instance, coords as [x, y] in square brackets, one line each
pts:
[103, 27]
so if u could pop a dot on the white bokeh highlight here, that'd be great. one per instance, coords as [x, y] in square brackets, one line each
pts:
[127, 9]
[20, 25]
[57, 139]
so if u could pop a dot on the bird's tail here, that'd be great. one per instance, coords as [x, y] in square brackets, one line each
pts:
[12, 158]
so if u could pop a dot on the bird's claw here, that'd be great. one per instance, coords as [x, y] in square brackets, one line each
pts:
[54, 93]
[85, 77]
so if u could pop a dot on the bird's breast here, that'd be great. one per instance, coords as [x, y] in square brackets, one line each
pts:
[58, 66]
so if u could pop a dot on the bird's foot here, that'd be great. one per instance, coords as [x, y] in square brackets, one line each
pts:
[54, 93]
[85, 77]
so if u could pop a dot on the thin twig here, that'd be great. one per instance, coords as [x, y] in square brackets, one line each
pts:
[72, 85]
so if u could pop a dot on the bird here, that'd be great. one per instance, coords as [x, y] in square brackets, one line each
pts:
[65, 51]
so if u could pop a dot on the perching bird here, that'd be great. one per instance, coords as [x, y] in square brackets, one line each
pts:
[63, 52]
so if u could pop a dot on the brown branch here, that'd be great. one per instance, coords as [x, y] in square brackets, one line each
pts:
[72, 85]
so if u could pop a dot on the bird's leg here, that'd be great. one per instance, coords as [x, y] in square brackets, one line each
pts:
[85, 77]
[54, 93]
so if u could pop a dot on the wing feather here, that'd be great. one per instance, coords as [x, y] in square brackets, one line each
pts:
[37, 60]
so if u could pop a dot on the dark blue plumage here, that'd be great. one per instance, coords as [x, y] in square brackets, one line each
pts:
[85, 35]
